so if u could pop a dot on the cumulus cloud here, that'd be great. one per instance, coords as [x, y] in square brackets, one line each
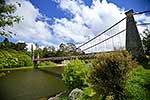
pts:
[88, 21]
[31, 28]
[142, 18]
[85, 23]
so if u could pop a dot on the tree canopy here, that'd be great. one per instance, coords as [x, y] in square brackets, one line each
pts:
[67, 49]
[7, 18]
[146, 41]
[6, 44]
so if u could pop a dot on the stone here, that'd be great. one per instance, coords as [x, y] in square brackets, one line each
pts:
[43, 99]
[57, 97]
[75, 94]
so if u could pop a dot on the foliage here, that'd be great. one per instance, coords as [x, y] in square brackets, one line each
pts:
[146, 41]
[63, 50]
[74, 74]
[20, 46]
[87, 93]
[47, 63]
[2, 74]
[49, 51]
[7, 17]
[138, 86]
[6, 45]
[68, 50]
[110, 72]
[12, 58]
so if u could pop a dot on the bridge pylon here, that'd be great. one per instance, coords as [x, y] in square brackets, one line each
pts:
[133, 40]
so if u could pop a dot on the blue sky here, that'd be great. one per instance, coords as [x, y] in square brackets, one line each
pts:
[49, 7]
[51, 22]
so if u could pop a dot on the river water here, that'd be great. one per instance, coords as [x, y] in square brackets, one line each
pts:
[31, 84]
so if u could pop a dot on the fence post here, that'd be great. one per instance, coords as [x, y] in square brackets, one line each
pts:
[133, 40]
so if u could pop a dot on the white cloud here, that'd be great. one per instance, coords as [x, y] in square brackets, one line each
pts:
[29, 45]
[88, 21]
[85, 23]
[30, 29]
[142, 18]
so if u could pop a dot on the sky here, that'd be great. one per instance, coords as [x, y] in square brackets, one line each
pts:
[51, 22]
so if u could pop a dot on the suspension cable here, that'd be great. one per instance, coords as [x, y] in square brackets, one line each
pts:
[104, 40]
[142, 12]
[143, 24]
[102, 32]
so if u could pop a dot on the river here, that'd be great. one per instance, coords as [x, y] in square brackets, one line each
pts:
[31, 84]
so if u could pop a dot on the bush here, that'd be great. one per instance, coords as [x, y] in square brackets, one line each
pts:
[110, 72]
[47, 63]
[74, 74]
[12, 58]
[88, 93]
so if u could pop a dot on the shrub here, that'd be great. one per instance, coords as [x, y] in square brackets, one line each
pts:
[47, 63]
[12, 58]
[74, 74]
[110, 72]
[88, 93]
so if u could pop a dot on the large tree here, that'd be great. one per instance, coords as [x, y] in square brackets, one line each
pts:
[146, 41]
[21, 46]
[6, 44]
[7, 17]
[68, 49]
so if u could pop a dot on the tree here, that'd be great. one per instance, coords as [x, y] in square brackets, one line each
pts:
[68, 50]
[62, 50]
[6, 44]
[45, 52]
[52, 51]
[146, 41]
[71, 47]
[62, 47]
[7, 18]
[21, 47]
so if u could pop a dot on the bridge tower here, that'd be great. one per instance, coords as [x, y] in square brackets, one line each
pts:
[133, 40]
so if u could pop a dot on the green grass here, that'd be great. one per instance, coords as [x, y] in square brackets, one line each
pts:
[138, 86]
[17, 68]
[48, 64]
[26, 67]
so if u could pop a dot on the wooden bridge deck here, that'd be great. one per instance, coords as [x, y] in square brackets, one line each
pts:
[86, 56]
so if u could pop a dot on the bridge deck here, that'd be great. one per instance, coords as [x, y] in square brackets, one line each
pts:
[87, 56]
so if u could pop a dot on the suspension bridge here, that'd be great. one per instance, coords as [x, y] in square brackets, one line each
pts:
[116, 37]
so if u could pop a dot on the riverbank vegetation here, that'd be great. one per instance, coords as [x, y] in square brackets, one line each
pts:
[14, 55]
[12, 58]
[114, 75]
